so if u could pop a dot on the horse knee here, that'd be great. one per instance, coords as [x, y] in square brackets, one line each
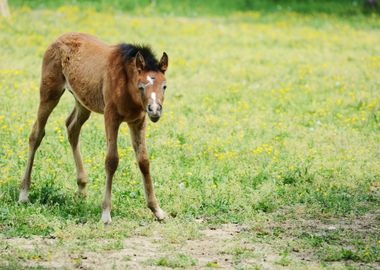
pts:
[112, 161]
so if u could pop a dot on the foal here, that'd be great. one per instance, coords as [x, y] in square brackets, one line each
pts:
[122, 82]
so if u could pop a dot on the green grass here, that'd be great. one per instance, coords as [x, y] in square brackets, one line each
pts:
[175, 261]
[219, 7]
[263, 112]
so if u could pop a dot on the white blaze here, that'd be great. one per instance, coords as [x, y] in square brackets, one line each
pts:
[153, 96]
[150, 80]
[154, 105]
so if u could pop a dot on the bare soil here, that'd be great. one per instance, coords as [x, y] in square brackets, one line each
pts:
[213, 249]
[227, 246]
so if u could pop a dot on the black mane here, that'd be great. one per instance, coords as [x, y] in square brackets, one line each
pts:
[129, 51]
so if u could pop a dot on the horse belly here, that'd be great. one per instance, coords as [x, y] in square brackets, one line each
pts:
[89, 96]
[84, 79]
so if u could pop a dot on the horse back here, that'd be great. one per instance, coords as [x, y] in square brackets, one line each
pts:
[84, 61]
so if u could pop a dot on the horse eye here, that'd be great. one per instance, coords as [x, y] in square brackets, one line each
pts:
[164, 87]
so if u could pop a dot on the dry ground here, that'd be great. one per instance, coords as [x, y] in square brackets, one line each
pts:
[279, 244]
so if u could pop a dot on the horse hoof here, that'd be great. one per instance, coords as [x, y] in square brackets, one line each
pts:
[23, 197]
[160, 214]
[106, 217]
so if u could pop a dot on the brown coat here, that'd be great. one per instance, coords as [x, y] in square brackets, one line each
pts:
[120, 81]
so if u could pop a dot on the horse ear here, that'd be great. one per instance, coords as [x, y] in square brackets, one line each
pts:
[163, 65]
[140, 62]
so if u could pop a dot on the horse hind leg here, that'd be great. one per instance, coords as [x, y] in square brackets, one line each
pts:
[74, 123]
[38, 132]
[51, 90]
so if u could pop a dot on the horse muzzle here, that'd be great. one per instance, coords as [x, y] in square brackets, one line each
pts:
[154, 112]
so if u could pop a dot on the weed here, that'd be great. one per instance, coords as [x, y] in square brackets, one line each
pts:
[176, 261]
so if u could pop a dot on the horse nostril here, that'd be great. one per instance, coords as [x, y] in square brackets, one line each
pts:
[159, 107]
[149, 108]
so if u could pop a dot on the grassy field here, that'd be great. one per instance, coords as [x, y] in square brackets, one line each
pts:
[267, 155]
[196, 7]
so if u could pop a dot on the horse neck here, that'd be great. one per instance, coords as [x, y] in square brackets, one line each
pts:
[132, 94]
[122, 91]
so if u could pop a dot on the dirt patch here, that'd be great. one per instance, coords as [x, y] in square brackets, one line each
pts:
[140, 252]
[334, 241]
[217, 247]
[260, 245]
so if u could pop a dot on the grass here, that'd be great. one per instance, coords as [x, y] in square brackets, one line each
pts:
[176, 261]
[219, 7]
[269, 111]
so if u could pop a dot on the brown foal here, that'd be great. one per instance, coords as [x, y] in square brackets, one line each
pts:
[122, 82]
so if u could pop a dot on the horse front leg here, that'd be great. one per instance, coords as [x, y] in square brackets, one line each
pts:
[138, 142]
[112, 123]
